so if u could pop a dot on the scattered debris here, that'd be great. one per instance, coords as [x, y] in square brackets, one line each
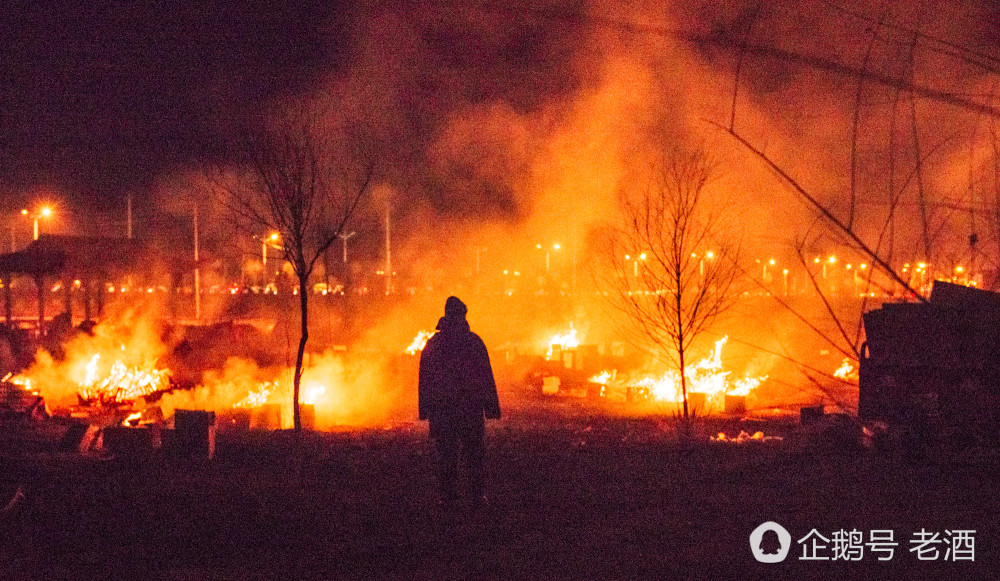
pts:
[745, 437]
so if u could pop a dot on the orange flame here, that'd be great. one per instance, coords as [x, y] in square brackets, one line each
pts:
[705, 377]
[846, 370]
[257, 398]
[419, 342]
[568, 340]
[121, 383]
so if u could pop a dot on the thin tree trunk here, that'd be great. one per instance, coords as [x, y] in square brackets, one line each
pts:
[300, 354]
[684, 392]
[680, 337]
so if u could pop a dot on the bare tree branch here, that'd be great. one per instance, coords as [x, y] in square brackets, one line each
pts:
[682, 277]
[833, 220]
[288, 183]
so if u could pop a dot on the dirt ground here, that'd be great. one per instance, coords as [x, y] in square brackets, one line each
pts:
[575, 494]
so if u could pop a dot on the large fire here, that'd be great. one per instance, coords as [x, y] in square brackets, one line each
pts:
[311, 393]
[120, 384]
[707, 378]
[114, 385]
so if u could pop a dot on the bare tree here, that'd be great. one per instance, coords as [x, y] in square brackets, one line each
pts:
[672, 275]
[296, 180]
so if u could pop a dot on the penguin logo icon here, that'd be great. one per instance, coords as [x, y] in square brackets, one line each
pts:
[770, 542]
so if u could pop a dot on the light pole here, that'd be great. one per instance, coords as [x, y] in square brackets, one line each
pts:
[344, 238]
[197, 270]
[43, 212]
[635, 264]
[548, 254]
[272, 240]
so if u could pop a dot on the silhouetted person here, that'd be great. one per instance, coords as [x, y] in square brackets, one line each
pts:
[770, 543]
[456, 392]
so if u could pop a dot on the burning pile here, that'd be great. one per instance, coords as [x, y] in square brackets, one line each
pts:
[707, 384]
[20, 381]
[120, 384]
[564, 342]
[117, 385]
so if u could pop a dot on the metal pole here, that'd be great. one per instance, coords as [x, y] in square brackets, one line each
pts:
[197, 271]
[343, 238]
[128, 209]
[388, 253]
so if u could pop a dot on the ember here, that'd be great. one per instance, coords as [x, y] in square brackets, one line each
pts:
[744, 437]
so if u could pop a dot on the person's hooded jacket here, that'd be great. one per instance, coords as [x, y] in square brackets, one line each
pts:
[456, 388]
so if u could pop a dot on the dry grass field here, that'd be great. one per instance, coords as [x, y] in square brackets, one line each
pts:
[575, 494]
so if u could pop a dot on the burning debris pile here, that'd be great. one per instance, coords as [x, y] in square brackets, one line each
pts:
[133, 372]
[121, 384]
[116, 386]
[18, 399]
[562, 342]
[709, 386]
[257, 397]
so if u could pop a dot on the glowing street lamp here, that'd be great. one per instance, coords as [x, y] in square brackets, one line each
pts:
[272, 240]
[548, 254]
[635, 264]
[43, 212]
[770, 262]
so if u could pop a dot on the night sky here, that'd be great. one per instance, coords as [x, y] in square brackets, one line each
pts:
[477, 111]
[100, 98]
[100, 101]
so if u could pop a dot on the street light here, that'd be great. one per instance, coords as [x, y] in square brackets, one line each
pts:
[548, 253]
[271, 240]
[344, 238]
[43, 212]
[635, 264]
